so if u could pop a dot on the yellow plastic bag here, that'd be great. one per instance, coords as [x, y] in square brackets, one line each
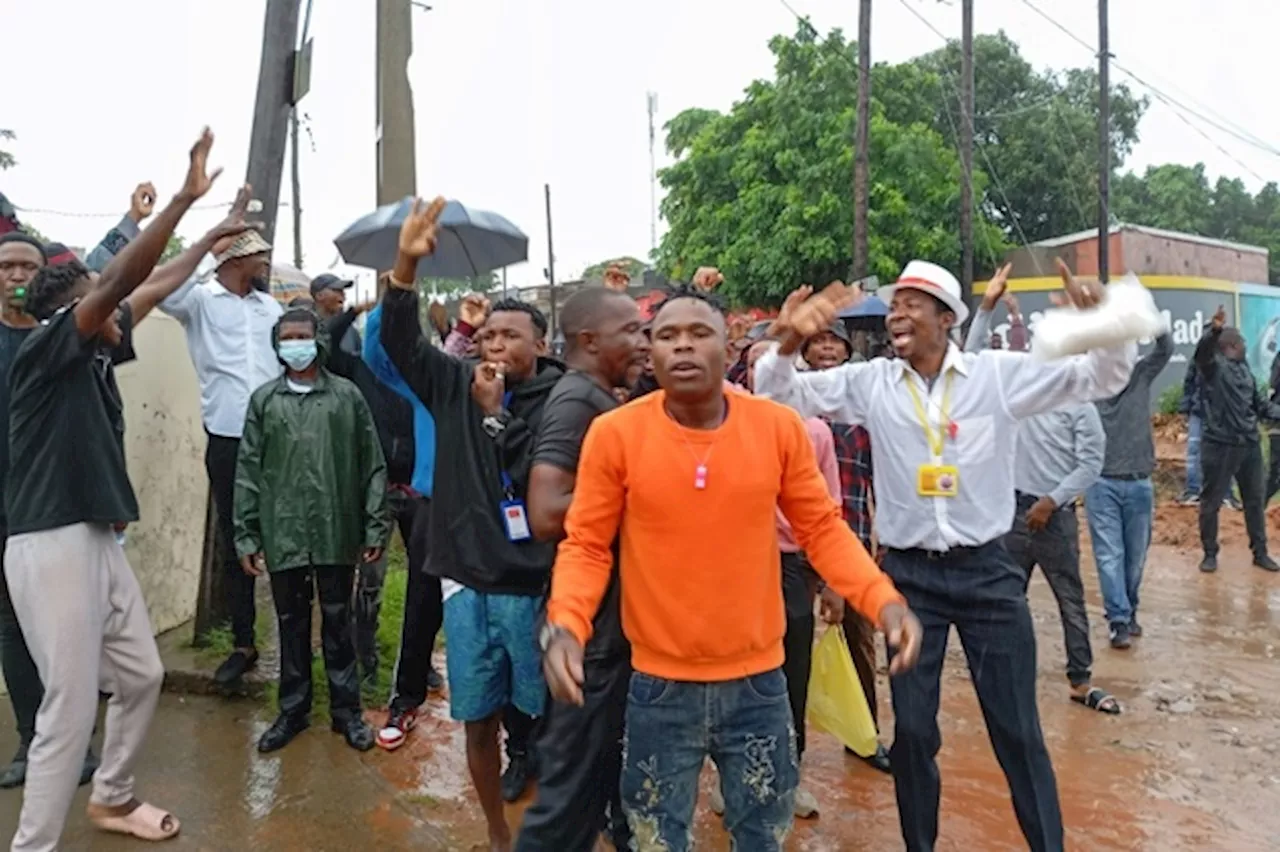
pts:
[837, 703]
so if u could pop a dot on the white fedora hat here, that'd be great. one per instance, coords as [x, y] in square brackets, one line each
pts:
[932, 279]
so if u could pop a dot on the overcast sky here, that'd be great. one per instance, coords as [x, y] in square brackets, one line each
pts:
[512, 94]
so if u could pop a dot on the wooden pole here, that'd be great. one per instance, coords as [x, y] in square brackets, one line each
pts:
[1104, 146]
[861, 143]
[966, 150]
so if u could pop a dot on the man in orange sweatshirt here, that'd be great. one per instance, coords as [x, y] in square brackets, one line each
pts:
[692, 477]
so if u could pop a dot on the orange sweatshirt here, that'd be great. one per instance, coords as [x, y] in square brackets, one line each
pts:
[700, 574]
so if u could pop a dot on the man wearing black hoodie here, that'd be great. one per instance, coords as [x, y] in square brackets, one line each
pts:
[493, 571]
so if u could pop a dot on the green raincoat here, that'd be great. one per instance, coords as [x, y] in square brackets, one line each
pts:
[311, 482]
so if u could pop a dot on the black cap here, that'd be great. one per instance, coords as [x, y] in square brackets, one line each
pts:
[329, 281]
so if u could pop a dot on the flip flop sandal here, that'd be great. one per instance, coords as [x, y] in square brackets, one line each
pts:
[1100, 700]
[135, 819]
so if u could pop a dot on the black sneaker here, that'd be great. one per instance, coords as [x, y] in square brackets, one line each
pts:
[1120, 636]
[435, 680]
[1209, 564]
[15, 774]
[1135, 629]
[89, 767]
[1188, 498]
[282, 733]
[515, 779]
[234, 667]
[1232, 503]
[356, 731]
[1266, 563]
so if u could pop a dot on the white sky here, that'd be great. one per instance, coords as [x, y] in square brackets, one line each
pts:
[514, 93]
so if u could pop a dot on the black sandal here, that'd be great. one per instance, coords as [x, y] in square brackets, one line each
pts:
[1100, 700]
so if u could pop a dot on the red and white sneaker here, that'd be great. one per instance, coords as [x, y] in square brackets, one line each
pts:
[397, 729]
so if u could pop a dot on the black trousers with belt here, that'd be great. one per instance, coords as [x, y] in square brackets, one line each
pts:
[982, 592]
[292, 591]
[579, 765]
[220, 463]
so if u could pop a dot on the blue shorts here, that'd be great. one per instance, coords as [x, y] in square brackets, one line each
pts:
[492, 654]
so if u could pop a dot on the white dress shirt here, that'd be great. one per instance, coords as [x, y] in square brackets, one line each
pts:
[229, 338]
[990, 393]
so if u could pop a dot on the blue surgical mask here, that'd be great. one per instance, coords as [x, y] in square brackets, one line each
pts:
[298, 354]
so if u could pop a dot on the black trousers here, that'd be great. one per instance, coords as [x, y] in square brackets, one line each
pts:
[423, 610]
[220, 463]
[1056, 549]
[981, 591]
[292, 591]
[1221, 463]
[799, 587]
[1273, 476]
[579, 766]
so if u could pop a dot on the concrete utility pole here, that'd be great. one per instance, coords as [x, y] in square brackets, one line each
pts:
[267, 144]
[861, 143]
[966, 150]
[397, 166]
[1104, 146]
[270, 136]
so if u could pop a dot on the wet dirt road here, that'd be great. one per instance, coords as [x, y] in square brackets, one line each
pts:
[1194, 763]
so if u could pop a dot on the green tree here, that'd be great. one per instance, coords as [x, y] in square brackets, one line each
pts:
[176, 246]
[633, 267]
[764, 191]
[1169, 196]
[7, 160]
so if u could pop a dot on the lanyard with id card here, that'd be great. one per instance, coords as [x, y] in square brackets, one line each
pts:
[515, 519]
[935, 479]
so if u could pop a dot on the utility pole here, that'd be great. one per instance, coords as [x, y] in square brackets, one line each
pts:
[397, 172]
[861, 143]
[966, 150]
[1104, 146]
[271, 109]
[551, 262]
[652, 99]
[267, 144]
[301, 83]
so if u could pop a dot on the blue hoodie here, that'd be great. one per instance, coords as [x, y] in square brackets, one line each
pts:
[424, 425]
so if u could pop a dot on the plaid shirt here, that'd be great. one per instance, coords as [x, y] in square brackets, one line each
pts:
[853, 457]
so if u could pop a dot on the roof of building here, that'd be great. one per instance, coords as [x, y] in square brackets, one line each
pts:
[1079, 236]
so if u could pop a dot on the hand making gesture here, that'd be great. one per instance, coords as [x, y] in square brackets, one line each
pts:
[996, 288]
[487, 387]
[707, 278]
[199, 181]
[803, 315]
[143, 202]
[418, 232]
[616, 278]
[1081, 296]
[221, 235]
[474, 310]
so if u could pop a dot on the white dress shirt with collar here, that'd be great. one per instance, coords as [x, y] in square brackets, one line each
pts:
[990, 393]
[229, 338]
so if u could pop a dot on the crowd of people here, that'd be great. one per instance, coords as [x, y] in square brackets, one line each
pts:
[627, 549]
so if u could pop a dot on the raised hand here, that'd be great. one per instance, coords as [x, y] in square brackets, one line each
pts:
[474, 310]
[707, 278]
[419, 230]
[1220, 318]
[616, 278]
[143, 201]
[815, 315]
[221, 234]
[996, 287]
[1081, 296]
[199, 181]
[1011, 305]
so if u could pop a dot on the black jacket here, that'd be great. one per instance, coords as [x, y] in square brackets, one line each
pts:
[1229, 393]
[392, 414]
[468, 537]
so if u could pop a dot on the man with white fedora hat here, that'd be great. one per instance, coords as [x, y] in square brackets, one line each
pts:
[942, 425]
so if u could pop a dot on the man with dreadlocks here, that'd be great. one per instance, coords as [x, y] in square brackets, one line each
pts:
[65, 509]
[311, 502]
[691, 477]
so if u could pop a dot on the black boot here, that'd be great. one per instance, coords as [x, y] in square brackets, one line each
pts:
[15, 774]
[355, 730]
[282, 732]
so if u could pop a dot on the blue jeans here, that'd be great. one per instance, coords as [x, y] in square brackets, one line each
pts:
[1120, 525]
[1195, 476]
[743, 725]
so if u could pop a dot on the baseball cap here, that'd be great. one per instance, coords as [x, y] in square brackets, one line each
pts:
[328, 281]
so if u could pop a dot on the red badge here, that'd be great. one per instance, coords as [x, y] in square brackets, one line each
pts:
[952, 429]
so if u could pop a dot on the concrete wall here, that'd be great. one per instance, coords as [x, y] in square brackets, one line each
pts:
[164, 439]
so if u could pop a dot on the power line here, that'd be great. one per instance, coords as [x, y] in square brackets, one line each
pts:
[70, 214]
[1243, 135]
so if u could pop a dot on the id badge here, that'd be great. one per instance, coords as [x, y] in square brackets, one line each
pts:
[515, 520]
[938, 480]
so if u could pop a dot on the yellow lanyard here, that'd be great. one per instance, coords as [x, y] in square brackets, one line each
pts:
[935, 439]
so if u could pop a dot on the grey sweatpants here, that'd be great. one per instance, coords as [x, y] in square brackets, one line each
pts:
[85, 621]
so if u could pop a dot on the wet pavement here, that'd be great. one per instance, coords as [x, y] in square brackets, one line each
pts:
[1194, 762]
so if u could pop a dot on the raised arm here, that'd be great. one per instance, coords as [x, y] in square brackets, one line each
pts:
[129, 268]
[165, 280]
[1150, 365]
[1207, 350]
[979, 331]
[433, 375]
[141, 205]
